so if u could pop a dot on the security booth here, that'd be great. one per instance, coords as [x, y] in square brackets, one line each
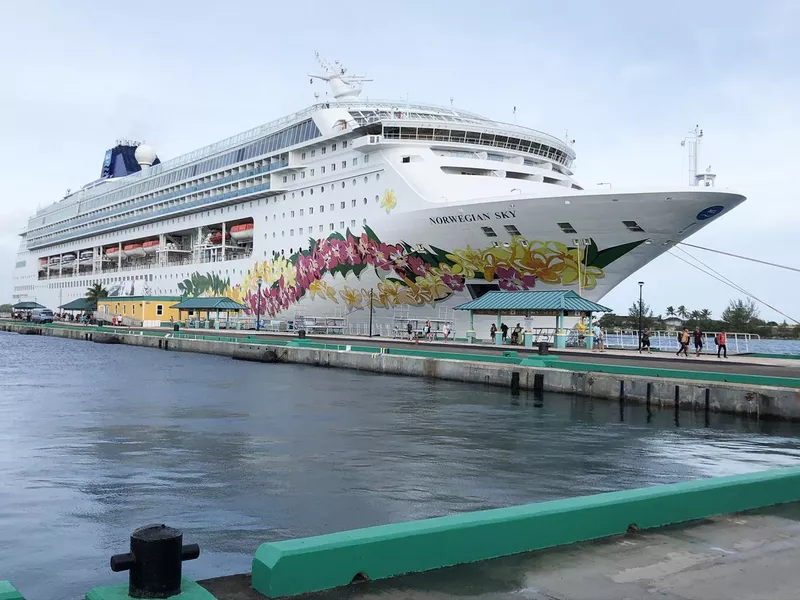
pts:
[195, 307]
[533, 303]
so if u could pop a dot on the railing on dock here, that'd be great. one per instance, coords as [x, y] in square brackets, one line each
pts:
[667, 341]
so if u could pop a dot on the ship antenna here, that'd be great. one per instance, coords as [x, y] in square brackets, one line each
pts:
[343, 86]
[692, 143]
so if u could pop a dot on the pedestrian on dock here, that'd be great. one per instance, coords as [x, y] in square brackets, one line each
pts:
[645, 342]
[504, 329]
[722, 346]
[599, 342]
[446, 331]
[410, 329]
[697, 336]
[492, 332]
[683, 340]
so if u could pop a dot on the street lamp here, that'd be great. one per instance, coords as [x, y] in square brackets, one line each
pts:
[258, 305]
[641, 310]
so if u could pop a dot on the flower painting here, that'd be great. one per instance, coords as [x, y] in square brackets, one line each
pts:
[409, 275]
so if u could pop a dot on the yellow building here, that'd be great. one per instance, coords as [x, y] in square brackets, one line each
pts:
[151, 311]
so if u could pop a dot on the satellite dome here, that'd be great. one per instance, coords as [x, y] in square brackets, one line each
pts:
[145, 155]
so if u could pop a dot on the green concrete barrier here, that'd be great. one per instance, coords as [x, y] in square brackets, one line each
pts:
[190, 590]
[715, 376]
[9, 592]
[301, 566]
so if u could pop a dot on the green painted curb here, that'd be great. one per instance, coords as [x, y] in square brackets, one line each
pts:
[710, 376]
[9, 592]
[300, 566]
[190, 590]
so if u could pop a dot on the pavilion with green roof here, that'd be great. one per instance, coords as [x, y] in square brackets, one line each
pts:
[209, 305]
[533, 303]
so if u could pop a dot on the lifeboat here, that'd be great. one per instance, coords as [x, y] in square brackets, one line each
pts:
[67, 259]
[112, 252]
[242, 232]
[150, 246]
[216, 237]
[133, 250]
[42, 264]
[85, 256]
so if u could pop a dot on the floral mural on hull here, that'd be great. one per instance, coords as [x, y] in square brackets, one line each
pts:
[410, 275]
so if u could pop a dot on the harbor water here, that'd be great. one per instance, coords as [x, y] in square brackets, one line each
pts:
[97, 440]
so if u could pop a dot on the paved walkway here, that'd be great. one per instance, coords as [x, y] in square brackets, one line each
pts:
[752, 556]
[749, 365]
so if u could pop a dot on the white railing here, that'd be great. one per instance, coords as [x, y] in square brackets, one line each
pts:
[624, 339]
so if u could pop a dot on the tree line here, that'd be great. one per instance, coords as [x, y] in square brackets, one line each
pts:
[741, 316]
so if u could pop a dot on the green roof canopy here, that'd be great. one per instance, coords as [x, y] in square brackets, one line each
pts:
[26, 306]
[534, 302]
[79, 304]
[209, 304]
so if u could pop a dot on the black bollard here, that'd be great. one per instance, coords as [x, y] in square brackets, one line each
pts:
[154, 562]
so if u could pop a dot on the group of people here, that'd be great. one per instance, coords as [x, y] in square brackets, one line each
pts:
[516, 335]
[427, 331]
[685, 338]
[697, 336]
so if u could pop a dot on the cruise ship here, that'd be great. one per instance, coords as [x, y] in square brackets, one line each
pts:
[352, 203]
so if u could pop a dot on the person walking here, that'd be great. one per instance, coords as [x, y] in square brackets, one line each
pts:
[722, 341]
[493, 331]
[697, 337]
[645, 341]
[504, 329]
[683, 340]
[446, 331]
[410, 329]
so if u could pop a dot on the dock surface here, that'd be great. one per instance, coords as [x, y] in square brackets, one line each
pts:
[748, 556]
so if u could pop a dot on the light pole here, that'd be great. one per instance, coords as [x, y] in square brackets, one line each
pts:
[641, 310]
[258, 305]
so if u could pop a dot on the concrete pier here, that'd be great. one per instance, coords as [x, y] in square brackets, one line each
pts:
[760, 396]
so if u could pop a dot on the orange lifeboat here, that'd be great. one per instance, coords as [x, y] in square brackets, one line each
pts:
[242, 232]
[112, 252]
[150, 246]
[133, 250]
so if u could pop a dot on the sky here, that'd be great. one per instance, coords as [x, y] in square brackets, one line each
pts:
[626, 79]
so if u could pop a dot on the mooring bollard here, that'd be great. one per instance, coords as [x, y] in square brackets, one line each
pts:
[154, 562]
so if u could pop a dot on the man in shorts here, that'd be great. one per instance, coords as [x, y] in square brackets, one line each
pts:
[697, 337]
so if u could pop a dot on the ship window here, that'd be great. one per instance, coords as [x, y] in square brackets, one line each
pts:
[285, 179]
[406, 159]
[333, 147]
[354, 181]
[303, 175]
[342, 183]
[341, 224]
[633, 226]
[322, 169]
[366, 158]
[321, 208]
[512, 230]
[377, 176]
[342, 204]
[332, 205]
[355, 161]
[291, 232]
[488, 231]
[354, 201]
[365, 200]
[313, 153]
[344, 143]
[303, 156]
[344, 164]
[301, 212]
[292, 214]
[366, 179]
[321, 227]
[333, 167]
[324, 150]
[567, 228]
[311, 210]
[300, 231]
[294, 177]
[311, 191]
[331, 226]
[312, 172]
[376, 198]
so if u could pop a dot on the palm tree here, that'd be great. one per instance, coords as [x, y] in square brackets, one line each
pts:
[670, 311]
[694, 315]
[682, 312]
[705, 314]
[95, 292]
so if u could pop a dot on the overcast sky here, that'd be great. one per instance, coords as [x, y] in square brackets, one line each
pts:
[628, 80]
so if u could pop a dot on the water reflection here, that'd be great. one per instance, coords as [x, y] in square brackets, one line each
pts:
[95, 441]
